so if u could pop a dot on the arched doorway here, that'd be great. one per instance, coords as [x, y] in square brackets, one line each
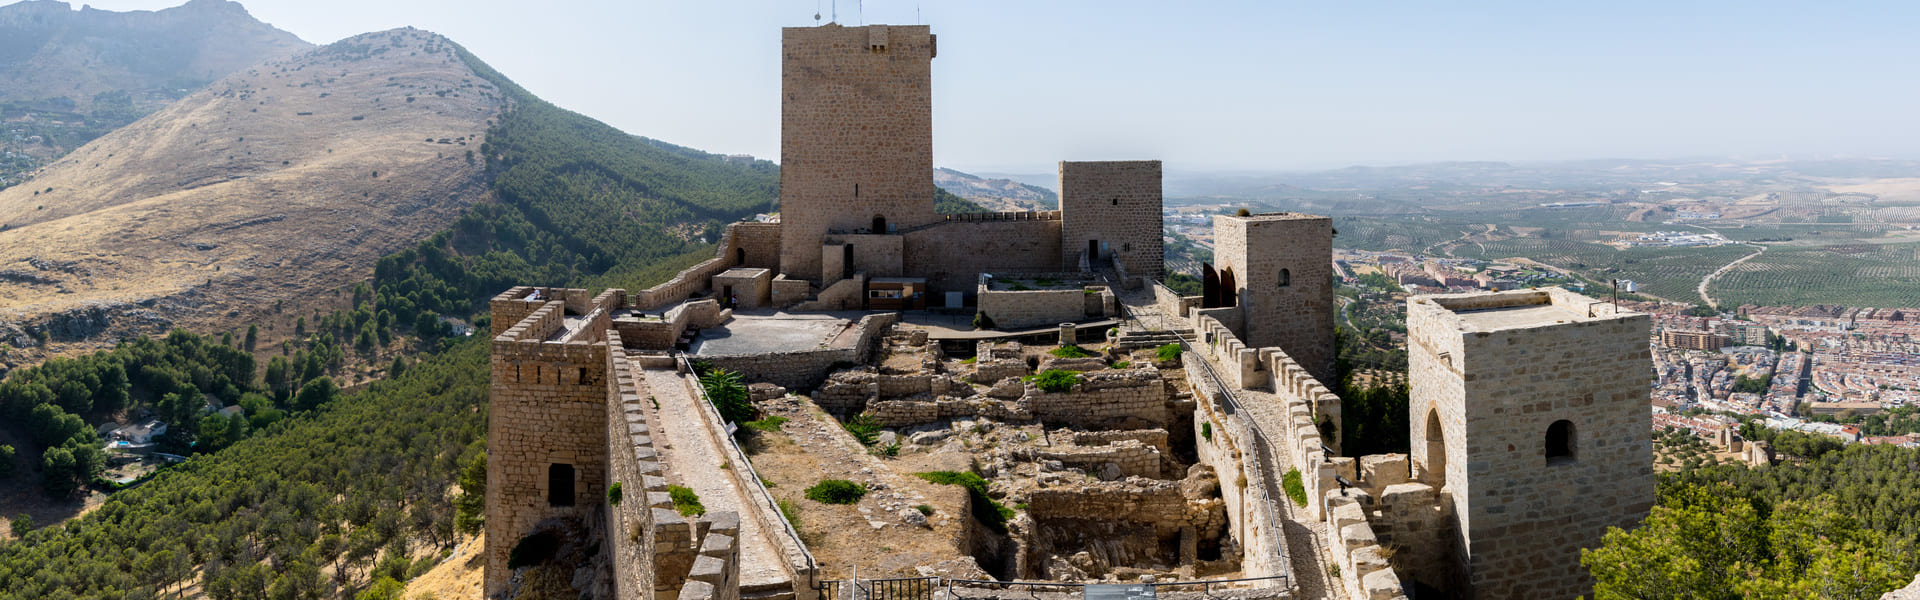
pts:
[879, 224]
[1562, 443]
[1209, 287]
[1229, 289]
[740, 257]
[1436, 475]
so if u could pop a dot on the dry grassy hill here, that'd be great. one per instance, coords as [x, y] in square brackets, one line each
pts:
[49, 50]
[282, 180]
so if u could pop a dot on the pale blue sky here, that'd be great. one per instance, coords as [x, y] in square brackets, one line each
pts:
[1231, 85]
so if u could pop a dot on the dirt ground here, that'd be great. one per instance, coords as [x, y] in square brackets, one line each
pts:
[812, 447]
[459, 577]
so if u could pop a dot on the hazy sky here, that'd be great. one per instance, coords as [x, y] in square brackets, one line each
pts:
[1230, 85]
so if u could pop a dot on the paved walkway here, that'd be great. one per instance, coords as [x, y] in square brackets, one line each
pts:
[692, 454]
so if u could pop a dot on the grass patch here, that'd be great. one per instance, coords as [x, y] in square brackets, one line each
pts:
[685, 501]
[1055, 381]
[925, 509]
[969, 360]
[1167, 353]
[1071, 351]
[1296, 491]
[985, 510]
[1122, 364]
[769, 424]
[836, 491]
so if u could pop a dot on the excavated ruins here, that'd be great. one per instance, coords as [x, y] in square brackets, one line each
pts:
[1101, 473]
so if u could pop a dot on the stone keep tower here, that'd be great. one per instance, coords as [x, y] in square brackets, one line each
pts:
[1278, 269]
[1530, 415]
[1111, 210]
[856, 136]
[547, 419]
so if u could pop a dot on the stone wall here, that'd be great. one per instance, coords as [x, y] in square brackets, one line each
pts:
[845, 294]
[1129, 458]
[877, 255]
[1282, 266]
[1033, 308]
[634, 464]
[1170, 303]
[856, 135]
[757, 243]
[953, 254]
[1115, 204]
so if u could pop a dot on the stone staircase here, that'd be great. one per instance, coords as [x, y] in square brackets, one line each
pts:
[1131, 339]
[771, 591]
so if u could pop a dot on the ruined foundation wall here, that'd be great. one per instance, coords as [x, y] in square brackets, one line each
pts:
[1235, 458]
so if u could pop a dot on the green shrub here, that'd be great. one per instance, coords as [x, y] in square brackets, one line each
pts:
[1295, 490]
[685, 501]
[770, 424]
[1167, 353]
[1122, 364]
[614, 494]
[925, 509]
[1055, 381]
[988, 512]
[1206, 430]
[863, 427]
[982, 321]
[836, 491]
[729, 395]
[1071, 351]
[890, 450]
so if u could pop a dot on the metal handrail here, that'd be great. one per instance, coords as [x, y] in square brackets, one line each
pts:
[706, 404]
[1233, 404]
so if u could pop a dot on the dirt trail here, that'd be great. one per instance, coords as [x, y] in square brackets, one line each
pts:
[1704, 281]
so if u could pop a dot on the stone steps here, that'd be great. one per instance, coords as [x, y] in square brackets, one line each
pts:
[1130, 340]
[779, 591]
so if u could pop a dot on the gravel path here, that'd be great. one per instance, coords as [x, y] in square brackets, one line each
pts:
[692, 454]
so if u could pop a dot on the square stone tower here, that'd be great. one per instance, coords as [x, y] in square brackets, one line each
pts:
[856, 136]
[1530, 414]
[1111, 210]
[1278, 268]
[546, 416]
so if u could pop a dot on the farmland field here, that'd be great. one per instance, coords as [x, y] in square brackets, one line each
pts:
[1878, 275]
[1402, 233]
[1671, 273]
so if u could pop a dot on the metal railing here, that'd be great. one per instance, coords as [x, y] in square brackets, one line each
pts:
[1035, 588]
[1263, 449]
[901, 588]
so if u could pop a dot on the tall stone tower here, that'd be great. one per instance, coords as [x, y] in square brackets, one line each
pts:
[1530, 415]
[1278, 268]
[1111, 210]
[546, 417]
[856, 136]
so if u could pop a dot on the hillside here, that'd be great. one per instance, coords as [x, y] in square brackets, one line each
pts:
[996, 194]
[276, 182]
[67, 76]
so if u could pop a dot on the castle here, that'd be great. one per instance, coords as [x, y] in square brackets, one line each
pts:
[1531, 421]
